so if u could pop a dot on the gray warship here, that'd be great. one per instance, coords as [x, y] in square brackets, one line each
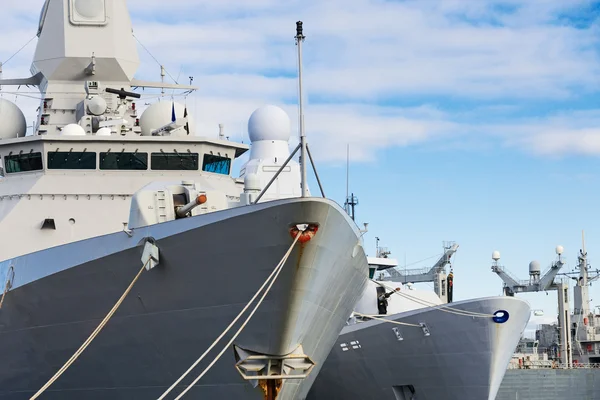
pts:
[563, 362]
[421, 347]
[100, 192]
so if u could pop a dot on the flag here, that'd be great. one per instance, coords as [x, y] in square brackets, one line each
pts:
[187, 124]
[173, 118]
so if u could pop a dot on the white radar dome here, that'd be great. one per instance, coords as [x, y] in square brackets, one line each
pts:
[535, 267]
[104, 132]
[496, 255]
[269, 123]
[73, 130]
[559, 250]
[12, 120]
[97, 105]
[160, 114]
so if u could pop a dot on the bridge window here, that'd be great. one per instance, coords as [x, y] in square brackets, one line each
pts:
[23, 162]
[124, 161]
[175, 161]
[216, 164]
[71, 160]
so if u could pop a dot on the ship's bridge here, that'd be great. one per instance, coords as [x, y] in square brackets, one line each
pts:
[97, 155]
[55, 189]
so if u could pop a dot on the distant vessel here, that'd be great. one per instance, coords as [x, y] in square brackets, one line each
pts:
[98, 194]
[564, 360]
[420, 347]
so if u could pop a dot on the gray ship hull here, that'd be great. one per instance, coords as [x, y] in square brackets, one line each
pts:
[551, 384]
[464, 358]
[210, 266]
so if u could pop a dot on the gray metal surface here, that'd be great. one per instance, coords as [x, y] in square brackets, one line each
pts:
[550, 384]
[464, 358]
[210, 266]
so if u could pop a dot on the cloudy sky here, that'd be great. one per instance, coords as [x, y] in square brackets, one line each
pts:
[469, 120]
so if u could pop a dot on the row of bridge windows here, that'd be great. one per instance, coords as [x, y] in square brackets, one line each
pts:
[123, 161]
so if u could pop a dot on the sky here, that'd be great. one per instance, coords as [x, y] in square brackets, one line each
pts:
[469, 121]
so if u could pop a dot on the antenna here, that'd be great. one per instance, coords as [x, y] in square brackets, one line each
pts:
[347, 163]
[299, 40]
[162, 79]
[351, 200]
[221, 132]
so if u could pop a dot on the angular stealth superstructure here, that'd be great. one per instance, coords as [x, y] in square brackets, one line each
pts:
[98, 192]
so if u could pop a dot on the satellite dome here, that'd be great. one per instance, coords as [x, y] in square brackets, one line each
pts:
[160, 114]
[496, 255]
[535, 267]
[12, 120]
[104, 132]
[97, 105]
[559, 250]
[73, 130]
[269, 123]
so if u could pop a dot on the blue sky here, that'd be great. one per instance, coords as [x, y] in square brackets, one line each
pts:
[473, 121]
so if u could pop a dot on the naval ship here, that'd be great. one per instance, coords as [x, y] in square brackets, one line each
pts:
[129, 249]
[563, 362]
[419, 346]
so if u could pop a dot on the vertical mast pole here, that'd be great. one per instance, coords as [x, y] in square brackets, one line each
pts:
[299, 40]
[347, 171]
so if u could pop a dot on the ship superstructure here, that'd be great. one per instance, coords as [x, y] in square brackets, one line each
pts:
[403, 344]
[90, 150]
[99, 202]
[563, 362]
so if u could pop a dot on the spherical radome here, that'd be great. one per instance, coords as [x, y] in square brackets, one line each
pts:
[535, 266]
[12, 120]
[559, 249]
[90, 8]
[104, 132]
[269, 123]
[496, 255]
[73, 130]
[160, 114]
[97, 105]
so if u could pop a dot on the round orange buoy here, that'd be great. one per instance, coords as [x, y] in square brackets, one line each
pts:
[305, 236]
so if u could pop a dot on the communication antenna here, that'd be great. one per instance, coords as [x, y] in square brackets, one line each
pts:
[163, 73]
[299, 40]
[347, 163]
[351, 200]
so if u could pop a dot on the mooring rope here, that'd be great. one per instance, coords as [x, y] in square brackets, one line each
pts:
[91, 337]
[440, 307]
[7, 285]
[271, 278]
[378, 318]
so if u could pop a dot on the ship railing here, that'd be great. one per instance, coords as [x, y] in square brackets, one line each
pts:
[585, 366]
[413, 271]
[550, 365]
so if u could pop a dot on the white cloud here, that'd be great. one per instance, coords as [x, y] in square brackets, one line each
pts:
[363, 55]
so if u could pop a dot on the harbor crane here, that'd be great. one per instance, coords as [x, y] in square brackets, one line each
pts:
[442, 282]
[536, 283]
